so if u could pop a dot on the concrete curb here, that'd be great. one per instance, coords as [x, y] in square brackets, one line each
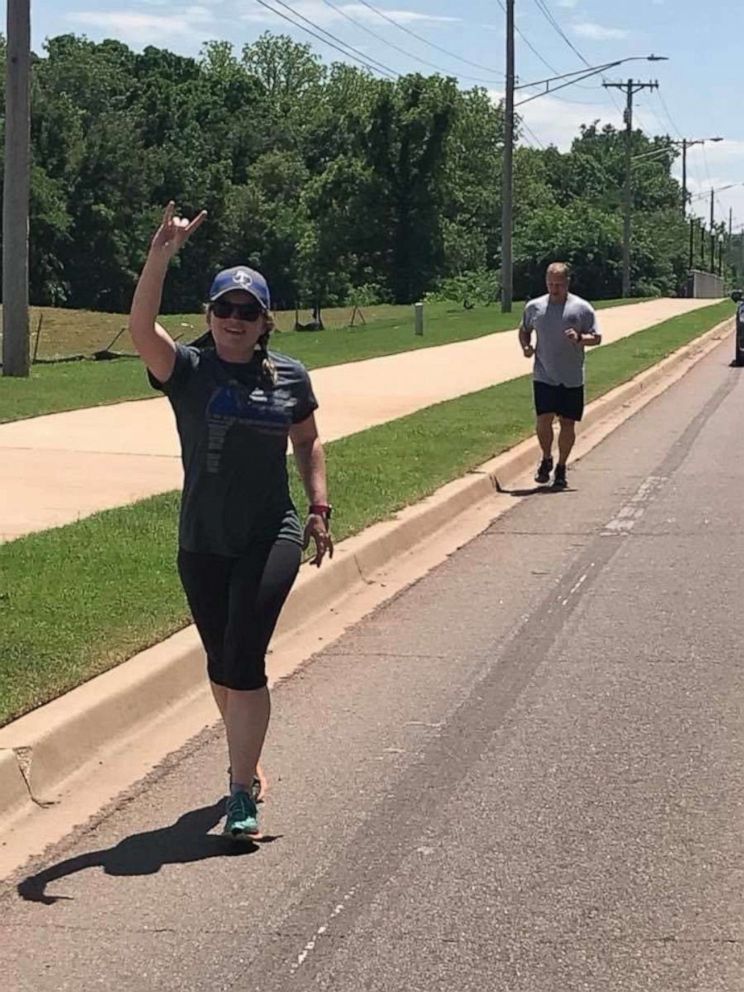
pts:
[13, 789]
[41, 751]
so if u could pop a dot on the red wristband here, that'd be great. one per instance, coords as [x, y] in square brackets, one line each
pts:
[321, 510]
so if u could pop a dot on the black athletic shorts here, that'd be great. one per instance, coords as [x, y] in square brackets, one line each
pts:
[235, 603]
[563, 401]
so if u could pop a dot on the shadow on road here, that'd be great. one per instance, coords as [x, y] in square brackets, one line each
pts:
[534, 491]
[185, 841]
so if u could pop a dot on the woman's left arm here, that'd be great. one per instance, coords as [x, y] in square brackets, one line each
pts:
[310, 458]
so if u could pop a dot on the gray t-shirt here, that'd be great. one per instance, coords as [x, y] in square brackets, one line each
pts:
[559, 361]
[234, 427]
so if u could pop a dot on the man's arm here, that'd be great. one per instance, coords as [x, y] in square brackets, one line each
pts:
[586, 338]
[587, 333]
[590, 335]
[525, 335]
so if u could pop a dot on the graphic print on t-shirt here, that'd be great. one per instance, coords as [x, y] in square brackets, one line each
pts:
[234, 405]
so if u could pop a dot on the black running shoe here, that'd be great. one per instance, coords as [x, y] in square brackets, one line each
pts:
[559, 480]
[543, 471]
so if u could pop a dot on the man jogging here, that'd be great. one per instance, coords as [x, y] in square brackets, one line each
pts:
[565, 324]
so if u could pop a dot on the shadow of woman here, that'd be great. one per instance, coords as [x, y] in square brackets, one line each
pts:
[185, 841]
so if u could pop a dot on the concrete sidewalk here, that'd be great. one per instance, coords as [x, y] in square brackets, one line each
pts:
[59, 468]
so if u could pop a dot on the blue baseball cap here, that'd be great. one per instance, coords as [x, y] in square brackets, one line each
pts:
[241, 277]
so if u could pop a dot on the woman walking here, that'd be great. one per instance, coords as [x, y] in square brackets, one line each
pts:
[240, 539]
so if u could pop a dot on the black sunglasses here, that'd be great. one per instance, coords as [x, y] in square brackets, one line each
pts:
[243, 311]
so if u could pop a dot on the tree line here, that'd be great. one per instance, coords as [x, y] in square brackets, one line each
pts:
[341, 187]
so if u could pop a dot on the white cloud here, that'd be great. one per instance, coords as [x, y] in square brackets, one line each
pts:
[323, 15]
[598, 32]
[139, 27]
[402, 16]
[568, 4]
[556, 121]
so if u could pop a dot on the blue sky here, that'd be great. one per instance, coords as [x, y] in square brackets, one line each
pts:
[700, 87]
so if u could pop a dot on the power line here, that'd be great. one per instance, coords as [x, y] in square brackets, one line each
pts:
[379, 37]
[418, 37]
[720, 204]
[692, 160]
[397, 48]
[705, 165]
[548, 65]
[529, 44]
[669, 116]
[545, 11]
[658, 123]
[365, 58]
[532, 134]
[547, 14]
[335, 43]
[544, 61]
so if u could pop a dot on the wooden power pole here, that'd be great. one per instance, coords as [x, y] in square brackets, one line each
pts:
[16, 189]
[507, 283]
[630, 88]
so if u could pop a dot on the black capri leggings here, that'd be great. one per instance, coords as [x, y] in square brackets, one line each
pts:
[235, 603]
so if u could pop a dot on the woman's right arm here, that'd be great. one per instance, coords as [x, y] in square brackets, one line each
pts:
[154, 345]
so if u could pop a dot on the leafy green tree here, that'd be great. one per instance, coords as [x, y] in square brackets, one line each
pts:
[410, 123]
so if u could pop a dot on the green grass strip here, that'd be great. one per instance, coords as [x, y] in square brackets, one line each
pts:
[79, 599]
[74, 385]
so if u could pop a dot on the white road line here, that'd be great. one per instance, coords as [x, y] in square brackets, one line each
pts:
[628, 516]
[576, 587]
[312, 943]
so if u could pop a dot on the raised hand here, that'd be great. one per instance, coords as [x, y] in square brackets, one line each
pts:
[174, 232]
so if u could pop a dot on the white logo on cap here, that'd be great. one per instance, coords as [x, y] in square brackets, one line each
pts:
[243, 278]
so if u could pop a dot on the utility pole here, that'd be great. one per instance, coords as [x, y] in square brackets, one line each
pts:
[713, 231]
[16, 189]
[729, 253]
[702, 243]
[631, 88]
[689, 143]
[507, 205]
[692, 241]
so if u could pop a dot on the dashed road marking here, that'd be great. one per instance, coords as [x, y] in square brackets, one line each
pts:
[628, 516]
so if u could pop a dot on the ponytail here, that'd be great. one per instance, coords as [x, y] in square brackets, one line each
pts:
[268, 369]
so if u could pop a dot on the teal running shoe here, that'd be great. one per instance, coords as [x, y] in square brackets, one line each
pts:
[256, 789]
[242, 818]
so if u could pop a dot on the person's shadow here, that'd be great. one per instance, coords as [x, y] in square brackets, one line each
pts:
[185, 841]
[533, 491]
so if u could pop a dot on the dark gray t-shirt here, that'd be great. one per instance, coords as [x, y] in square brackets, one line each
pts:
[559, 361]
[234, 427]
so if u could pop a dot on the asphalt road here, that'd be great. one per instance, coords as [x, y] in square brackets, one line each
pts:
[522, 775]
